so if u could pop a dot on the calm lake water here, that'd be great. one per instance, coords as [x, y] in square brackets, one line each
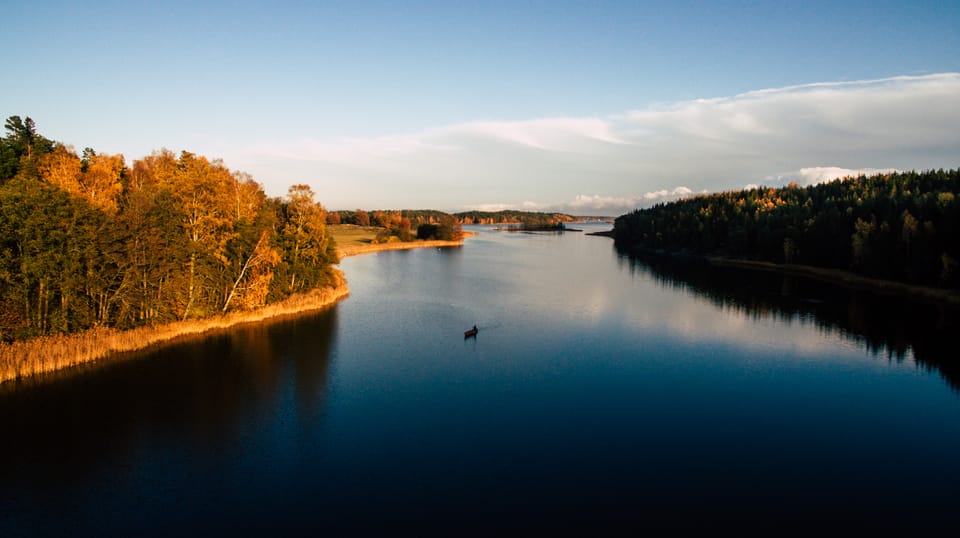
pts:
[602, 395]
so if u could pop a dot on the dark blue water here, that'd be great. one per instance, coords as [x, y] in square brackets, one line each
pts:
[602, 395]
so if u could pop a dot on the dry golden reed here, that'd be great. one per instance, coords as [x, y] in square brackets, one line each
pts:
[353, 250]
[51, 353]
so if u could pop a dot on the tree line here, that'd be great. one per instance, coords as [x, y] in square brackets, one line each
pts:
[528, 218]
[386, 218]
[402, 225]
[406, 224]
[900, 226]
[86, 241]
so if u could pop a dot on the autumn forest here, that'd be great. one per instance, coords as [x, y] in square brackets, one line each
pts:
[86, 241]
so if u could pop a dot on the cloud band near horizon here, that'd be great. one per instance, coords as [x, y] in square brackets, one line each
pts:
[614, 164]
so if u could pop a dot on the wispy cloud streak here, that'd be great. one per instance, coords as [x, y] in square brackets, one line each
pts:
[804, 133]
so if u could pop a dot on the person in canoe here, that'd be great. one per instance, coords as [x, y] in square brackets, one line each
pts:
[471, 332]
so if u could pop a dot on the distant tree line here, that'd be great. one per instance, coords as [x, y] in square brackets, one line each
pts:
[448, 229]
[438, 224]
[901, 226]
[386, 218]
[402, 225]
[532, 219]
[86, 241]
[550, 227]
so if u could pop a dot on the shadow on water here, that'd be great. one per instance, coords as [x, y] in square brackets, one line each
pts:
[892, 326]
[200, 396]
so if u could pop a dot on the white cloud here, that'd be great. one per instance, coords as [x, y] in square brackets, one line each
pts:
[491, 207]
[664, 194]
[816, 130]
[550, 134]
[820, 174]
[595, 204]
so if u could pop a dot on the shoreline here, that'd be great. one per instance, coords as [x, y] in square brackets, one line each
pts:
[937, 296]
[44, 355]
[55, 353]
[355, 250]
[848, 279]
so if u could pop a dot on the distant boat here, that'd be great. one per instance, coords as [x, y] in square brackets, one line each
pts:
[471, 333]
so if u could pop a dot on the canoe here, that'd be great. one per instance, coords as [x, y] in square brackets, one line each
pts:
[471, 332]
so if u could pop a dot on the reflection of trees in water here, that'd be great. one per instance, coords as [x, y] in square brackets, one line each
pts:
[206, 394]
[313, 343]
[884, 324]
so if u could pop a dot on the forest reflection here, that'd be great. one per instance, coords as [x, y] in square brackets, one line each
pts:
[895, 327]
[200, 396]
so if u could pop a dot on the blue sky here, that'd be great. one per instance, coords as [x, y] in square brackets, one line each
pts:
[581, 106]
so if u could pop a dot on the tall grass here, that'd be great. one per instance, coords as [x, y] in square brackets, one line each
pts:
[356, 249]
[51, 353]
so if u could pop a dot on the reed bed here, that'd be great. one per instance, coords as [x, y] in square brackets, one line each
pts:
[47, 354]
[367, 248]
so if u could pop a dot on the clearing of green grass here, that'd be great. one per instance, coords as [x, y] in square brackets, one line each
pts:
[351, 235]
[352, 240]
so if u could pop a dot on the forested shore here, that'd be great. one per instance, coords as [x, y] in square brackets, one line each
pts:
[98, 258]
[113, 256]
[900, 227]
[87, 242]
[52, 353]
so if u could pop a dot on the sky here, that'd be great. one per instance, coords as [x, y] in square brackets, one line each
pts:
[589, 107]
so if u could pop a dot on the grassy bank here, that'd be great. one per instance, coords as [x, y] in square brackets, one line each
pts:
[349, 236]
[52, 353]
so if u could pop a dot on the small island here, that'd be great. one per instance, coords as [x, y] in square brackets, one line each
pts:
[555, 227]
